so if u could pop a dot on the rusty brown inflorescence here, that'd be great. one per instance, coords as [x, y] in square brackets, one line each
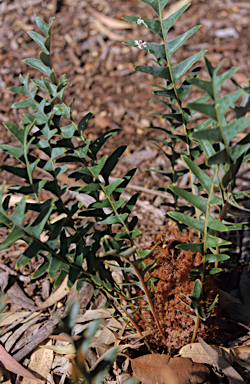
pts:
[172, 272]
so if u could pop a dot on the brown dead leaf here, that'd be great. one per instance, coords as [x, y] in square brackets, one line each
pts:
[163, 370]
[197, 353]
[12, 365]
[222, 362]
[17, 296]
[40, 362]
[56, 296]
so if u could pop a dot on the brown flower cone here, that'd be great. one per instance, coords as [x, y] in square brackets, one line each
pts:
[172, 270]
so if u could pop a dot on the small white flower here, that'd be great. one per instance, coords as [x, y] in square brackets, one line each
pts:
[140, 21]
[141, 44]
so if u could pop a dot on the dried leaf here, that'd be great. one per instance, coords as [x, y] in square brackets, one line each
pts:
[18, 297]
[8, 318]
[13, 366]
[56, 296]
[222, 363]
[197, 353]
[108, 335]
[164, 370]
[92, 314]
[40, 362]
[61, 349]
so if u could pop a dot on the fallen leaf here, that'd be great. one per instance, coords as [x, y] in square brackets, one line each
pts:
[61, 349]
[40, 362]
[8, 318]
[12, 365]
[17, 296]
[197, 353]
[223, 363]
[164, 370]
[56, 296]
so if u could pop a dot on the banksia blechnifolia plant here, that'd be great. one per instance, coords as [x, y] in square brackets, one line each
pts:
[73, 243]
[79, 249]
[212, 182]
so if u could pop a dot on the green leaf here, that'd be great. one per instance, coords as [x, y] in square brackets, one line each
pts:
[152, 25]
[17, 132]
[206, 86]
[202, 177]
[54, 265]
[15, 234]
[163, 73]
[188, 220]
[235, 152]
[180, 69]
[44, 27]
[112, 161]
[193, 247]
[167, 23]
[98, 143]
[81, 126]
[206, 109]
[113, 219]
[176, 43]
[197, 290]
[155, 49]
[157, 5]
[213, 258]
[112, 187]
[39, 39]
[41, 270]
[37, 64]
[11, 150]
